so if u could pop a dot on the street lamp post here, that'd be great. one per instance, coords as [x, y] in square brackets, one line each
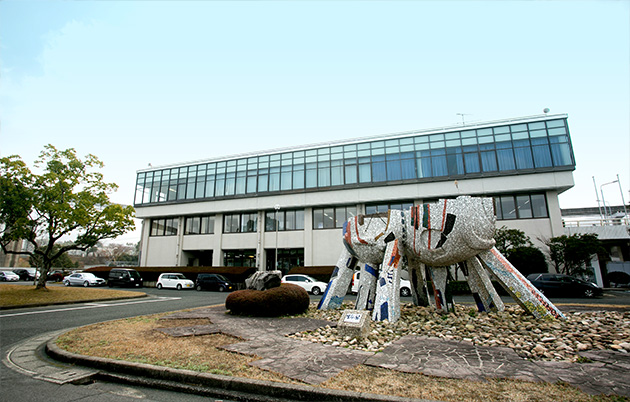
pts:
[277, 208]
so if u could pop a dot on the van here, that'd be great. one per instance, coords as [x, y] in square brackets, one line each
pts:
[125, 277]
[214, 282]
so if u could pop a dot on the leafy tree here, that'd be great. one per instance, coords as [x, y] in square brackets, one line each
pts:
[507, 239]
[528, 260]
[69, 199]
[63, 261]
[572, 254]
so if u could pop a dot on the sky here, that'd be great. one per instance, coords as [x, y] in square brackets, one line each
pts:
[162, 82]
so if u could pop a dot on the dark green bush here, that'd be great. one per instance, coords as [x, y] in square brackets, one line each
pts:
[528, 260]
[286, 299]
[459, 287]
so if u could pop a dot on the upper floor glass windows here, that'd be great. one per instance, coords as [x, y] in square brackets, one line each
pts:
[284, 220]
[371, 209]
[520, 206]
[164, 226]
[332, 217]
[537, 145]
[199, 225]
[240, 223]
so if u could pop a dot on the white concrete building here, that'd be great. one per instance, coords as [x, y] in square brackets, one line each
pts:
[238, 210]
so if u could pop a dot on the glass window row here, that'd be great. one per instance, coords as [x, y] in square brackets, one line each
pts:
[540, 145]
[519, 206]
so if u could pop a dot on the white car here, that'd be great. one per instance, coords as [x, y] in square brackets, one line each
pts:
[83, 279]
[7, 276]
[309, 284]
[174, 280]
[405, 285]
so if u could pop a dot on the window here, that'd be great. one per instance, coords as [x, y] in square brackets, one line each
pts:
[521, 206]
[240, 223]
[382, 208]
[239, 258]
[447, 155]
[199, 225]
[332, 217]
[164, 227]
[287, 220]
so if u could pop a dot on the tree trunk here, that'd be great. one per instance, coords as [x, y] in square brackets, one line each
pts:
[41, 282]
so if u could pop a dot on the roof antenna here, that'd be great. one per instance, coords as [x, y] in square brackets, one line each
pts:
[462, 114]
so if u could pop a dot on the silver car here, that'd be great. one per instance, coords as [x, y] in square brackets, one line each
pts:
[83, 279]
[8, 276]
[174, 280]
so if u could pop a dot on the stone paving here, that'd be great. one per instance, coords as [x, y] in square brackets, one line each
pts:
[605, 372]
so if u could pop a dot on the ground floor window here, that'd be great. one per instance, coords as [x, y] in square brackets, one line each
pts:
[239, 258]
[287, 258]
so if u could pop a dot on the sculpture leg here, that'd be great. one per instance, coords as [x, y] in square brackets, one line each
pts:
[419, 291]
[485, 295]
[439, 276]
[387, 303]
[339, 281]
[367, 288]
[521, 290]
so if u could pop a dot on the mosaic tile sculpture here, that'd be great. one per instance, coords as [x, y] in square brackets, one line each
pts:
[431, 236]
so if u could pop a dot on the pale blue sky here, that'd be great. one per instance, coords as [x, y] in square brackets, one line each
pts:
[138, 82]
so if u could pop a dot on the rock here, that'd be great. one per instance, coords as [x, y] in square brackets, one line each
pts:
[625, 345]
[539, 349]
[262, 280]
[583, 346]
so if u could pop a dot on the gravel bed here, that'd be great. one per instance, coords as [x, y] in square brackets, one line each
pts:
[531, 338]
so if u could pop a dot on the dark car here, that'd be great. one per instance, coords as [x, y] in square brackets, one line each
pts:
[25, 274]
[214, 282]
[125, 277]
[564, 285]
[56, 276]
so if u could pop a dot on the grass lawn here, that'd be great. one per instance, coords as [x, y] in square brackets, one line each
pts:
[23, 295]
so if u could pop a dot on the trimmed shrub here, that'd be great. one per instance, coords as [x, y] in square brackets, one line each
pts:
[286, 299]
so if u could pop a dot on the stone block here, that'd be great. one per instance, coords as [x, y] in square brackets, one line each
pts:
[354, 323]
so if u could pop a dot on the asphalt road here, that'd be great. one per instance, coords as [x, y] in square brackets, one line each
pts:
[20, 324]
[17, 325]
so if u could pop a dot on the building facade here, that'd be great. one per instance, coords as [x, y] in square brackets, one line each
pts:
[286, 207]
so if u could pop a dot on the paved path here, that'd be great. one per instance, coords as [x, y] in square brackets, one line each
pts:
[313, 363]
[607, 373]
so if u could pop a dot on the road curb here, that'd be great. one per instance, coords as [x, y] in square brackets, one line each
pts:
[212, 384]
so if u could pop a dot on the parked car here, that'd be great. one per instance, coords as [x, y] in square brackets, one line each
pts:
[564, 285]
[311, 285]
[26, 274]
[174, 280]
[125, 277]
[405, 285]
[83, 279]
[8, 276]
[56, 276]
[213, 282]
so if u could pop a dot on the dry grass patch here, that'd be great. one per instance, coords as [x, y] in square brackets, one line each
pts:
[389, 382]
[136, 339]
[24, 295]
